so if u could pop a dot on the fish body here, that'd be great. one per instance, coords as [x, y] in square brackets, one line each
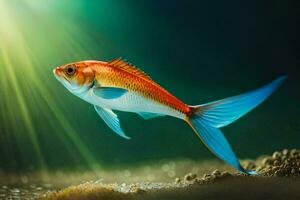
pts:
[143, 94]
[118, 85]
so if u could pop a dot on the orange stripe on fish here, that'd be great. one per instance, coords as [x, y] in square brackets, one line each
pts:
[119, 73]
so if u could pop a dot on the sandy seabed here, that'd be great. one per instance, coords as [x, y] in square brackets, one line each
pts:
[279, 178]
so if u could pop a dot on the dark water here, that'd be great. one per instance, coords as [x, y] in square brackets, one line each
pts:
[199, 51]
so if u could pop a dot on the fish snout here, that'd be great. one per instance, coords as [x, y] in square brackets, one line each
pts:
[57, 71]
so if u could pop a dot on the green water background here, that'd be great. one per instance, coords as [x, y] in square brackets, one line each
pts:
[199, 51]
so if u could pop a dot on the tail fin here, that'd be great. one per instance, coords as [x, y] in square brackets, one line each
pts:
[207, 118]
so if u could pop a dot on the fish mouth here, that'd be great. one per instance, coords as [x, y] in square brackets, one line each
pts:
[57, 71]
[59, 75]
[56, 74]
[71, 85]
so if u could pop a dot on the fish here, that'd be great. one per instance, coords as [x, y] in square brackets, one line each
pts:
[118, 85]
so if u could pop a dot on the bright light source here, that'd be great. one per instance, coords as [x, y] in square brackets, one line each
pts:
[31, 41]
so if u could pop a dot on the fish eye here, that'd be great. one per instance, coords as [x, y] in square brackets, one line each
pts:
[70, 70]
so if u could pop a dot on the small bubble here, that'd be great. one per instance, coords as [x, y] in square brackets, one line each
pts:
[165, 167]
[150, 177]
[24, 179]
[171, 174]
[127, 173]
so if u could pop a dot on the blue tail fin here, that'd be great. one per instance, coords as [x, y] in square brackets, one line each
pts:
[207, 118]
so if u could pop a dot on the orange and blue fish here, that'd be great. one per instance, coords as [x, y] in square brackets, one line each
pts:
[118, 85]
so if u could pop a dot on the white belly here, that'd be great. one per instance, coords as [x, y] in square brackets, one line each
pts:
[131, 102]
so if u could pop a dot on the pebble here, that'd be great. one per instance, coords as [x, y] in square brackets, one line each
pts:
[276, 155]
[190, 177]
[284, 163]
[177, 180]
[281, 163]
[216, 172]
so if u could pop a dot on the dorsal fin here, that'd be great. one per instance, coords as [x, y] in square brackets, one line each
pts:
[128, 67]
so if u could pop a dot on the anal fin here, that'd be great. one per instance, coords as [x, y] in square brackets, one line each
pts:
[147, 115]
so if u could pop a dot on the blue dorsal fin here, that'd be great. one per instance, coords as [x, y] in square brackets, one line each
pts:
[111, 119]
[109, 92]
[147, 115]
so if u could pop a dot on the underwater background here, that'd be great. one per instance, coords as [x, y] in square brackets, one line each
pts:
[199, 51]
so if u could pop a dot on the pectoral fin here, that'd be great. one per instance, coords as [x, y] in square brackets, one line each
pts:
[109, 92]
[111, 119]
[146, 115]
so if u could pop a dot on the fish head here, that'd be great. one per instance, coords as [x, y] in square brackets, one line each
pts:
[76, 77]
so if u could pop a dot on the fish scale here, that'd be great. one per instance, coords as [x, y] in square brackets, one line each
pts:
[107, 75]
